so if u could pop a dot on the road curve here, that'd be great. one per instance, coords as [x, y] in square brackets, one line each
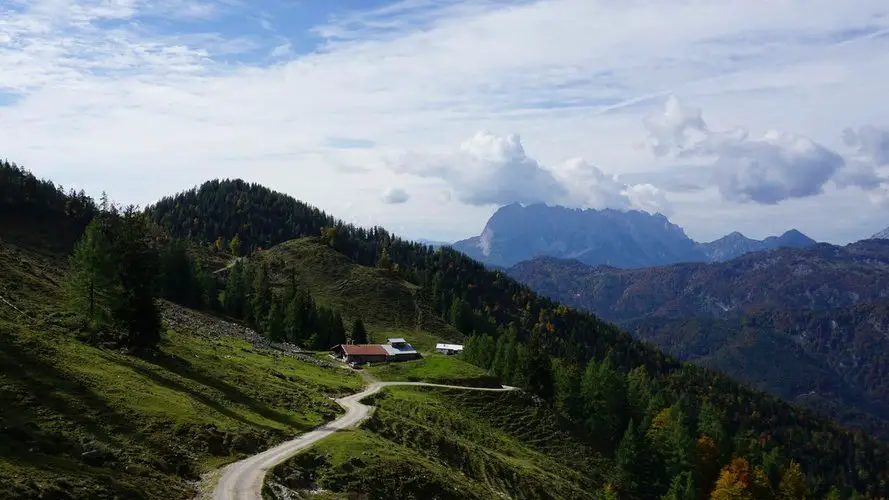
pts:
[243, 480]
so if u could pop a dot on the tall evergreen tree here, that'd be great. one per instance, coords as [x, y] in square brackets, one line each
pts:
[538, 366]
[568, 400]
[682, 488]
[359, 333]
[90, 279]
[604, 392]
[274, 323]
[133, 303]
[337, 330]
[261, 299]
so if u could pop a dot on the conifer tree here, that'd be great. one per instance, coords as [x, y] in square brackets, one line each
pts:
[682, 488]
[234, 246]
[337, 331]
[538, 366]
[604, 394]
[359, 333]
[793, 484]
[90, 279]
[274, 323]
[133, 302]
[568, 401]
[261, 299]
[628, 459]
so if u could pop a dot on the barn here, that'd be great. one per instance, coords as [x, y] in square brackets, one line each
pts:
[361, 353]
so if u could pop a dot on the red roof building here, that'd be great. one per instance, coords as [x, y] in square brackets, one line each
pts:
[361, 353]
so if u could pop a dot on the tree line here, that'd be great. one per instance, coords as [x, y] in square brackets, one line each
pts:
[284, 313]
[663, 444]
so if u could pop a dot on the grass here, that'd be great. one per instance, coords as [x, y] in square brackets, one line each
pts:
[89, 422]
[450, 444]
[387, 304]
[436, 368]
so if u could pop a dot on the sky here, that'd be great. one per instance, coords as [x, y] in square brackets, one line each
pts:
[424, 116]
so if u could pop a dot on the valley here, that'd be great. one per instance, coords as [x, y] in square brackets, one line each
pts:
[240, 364]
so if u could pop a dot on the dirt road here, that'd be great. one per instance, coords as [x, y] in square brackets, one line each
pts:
[243, 480]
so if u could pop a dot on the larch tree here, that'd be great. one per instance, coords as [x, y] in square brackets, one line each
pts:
[90, 280]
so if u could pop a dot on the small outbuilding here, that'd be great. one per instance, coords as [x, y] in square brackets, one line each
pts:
[360, 353]
[448, 349]
[399, 350]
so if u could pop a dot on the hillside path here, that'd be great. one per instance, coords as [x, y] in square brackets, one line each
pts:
[243, 480]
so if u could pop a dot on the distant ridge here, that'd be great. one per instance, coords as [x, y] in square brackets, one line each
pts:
[624, 239]
[882, 235]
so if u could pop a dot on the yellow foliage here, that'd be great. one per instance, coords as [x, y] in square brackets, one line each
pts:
[793, 483]
[733, 482]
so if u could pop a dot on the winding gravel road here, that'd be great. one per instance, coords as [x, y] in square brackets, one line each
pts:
[243, 480]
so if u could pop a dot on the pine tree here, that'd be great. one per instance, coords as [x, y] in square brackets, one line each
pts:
[133, 302]
[628, 459]
[793, 484]
[384, 262]
[359, 333]
[638, 393]
[568, 401]
[274, 323]
[235, 300]
[710, 424]
[178, 275]
[538, 366]
[91, 276]
[682, 488]
[337, 331]
[604, 392]
[261, 300]
[670, 440]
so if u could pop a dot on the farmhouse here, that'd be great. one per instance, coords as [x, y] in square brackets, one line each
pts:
[448, 348]
[360, 353]
[397, 349]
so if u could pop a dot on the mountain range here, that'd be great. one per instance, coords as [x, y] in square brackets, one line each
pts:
[818, 277]
[626, 239]
[809, 325]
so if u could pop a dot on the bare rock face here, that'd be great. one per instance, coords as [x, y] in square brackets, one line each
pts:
[626, 239]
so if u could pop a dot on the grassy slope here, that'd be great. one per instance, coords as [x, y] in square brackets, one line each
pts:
[436, 368]
[386, 303]
[450, 444]
[95, 423]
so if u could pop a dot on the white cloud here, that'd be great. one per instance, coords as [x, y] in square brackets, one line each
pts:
[495, 170]
[777, 167]
[97, 92]
[872, 143]
[649, 198]
[488, 170]
[395, 196]
[678, 127]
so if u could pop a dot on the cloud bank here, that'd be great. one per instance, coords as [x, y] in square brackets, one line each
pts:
[778, 166]
[488, 169]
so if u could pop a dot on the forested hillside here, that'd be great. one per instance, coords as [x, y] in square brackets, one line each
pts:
[751, 430]
[805, 324]
[821, 276]
[834, 359]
